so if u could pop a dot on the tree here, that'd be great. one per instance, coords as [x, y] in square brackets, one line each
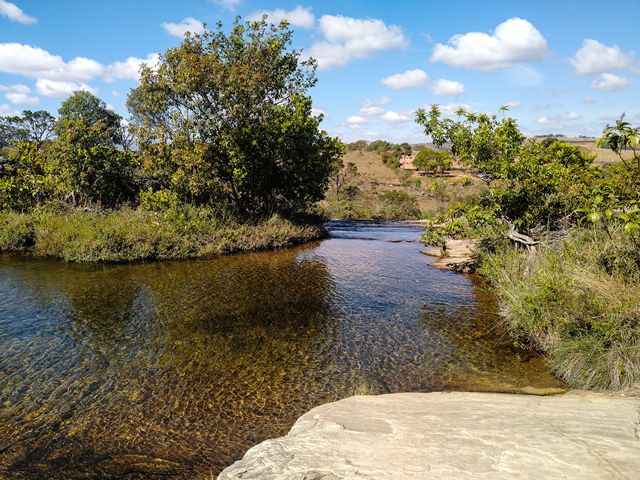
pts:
[432, 161]
[342, 175]
[227, 116]
[31, 126]
[85, 107]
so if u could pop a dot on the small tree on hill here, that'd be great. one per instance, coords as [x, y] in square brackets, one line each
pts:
[432, 161]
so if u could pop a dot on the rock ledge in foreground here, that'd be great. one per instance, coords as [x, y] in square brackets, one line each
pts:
[455, 435]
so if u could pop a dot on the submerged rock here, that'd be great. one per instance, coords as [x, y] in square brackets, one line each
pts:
[455, 435]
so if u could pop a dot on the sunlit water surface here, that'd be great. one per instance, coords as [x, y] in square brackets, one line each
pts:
[175, 369]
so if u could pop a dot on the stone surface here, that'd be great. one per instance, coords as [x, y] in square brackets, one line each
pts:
[459, 257]
[455, 435]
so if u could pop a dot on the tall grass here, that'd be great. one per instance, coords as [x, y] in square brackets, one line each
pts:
[579, 302]
[132, 235]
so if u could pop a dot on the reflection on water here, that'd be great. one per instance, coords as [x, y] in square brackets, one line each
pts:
[175, 369]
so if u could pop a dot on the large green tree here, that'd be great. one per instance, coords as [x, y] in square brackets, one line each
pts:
[227, 116]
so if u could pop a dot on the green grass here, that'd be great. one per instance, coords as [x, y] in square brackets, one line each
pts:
[577, 302]
[134, 235]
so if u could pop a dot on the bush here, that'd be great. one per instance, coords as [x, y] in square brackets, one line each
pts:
[432, 161]
[398, 205]
[574, 304]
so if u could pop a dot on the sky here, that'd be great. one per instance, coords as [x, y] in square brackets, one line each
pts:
[565, 67]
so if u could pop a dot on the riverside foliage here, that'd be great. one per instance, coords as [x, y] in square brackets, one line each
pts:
[574, 294]
[222, 123]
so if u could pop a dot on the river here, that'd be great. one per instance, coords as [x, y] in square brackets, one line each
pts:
[175, 369]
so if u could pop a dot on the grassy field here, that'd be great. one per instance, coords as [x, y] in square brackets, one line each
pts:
[604, 155]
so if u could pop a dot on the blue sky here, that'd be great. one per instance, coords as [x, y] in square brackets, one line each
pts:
[564, 67]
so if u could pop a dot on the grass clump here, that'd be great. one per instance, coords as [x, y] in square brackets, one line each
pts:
[132, 235]
[578, 303]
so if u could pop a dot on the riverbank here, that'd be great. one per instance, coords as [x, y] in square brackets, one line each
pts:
[136, 235]
[455, 435]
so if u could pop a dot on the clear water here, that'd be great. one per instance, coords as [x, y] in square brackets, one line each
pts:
[175, 369]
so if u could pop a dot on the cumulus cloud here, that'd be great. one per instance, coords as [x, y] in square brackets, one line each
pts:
[20, 88]
[514, 41]
[20, 59]
[371, 111]
[594, 57]
[396, 117]
[6, 110]
[53, 88]
[356, 121]
[130, 68]
[565, 117]
[188, 24]
[447, 88]
[18, 98]
[319, 111]
[609, 81]
[15, 13]
[298, 17]
[408, 79]
[347, 38]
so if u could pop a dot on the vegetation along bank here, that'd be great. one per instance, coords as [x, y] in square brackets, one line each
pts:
[222, 153]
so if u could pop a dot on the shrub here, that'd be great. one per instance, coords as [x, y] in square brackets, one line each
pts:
[398, 205]
[570, 302]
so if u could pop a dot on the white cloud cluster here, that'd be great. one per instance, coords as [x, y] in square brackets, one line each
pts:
[514, 41]
[347, 38]
[35, 62]
[55, 88]
[15, 13]
[594, 57]
[356, 121]
[408, 79]
[19, 94]
[565, 117]
[298, 17]
[396, 117]
[419, 78]
[130, 68]
[56, 77]
[448, 88]
[188, 24]
[609, 81]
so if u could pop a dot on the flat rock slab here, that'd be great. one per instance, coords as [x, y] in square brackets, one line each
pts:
[455, 435]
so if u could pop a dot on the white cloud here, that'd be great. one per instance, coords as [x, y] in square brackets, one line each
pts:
[513, 41]
[609, 81]
[6, 110]
[15, 13]
[18, 98]
[355, 121]
[20, 59]
[347, 38]
[371, 111]
[368, 102]
[20, 88]
[130, 68]
[396, 117]
[447, 88]
[188, 24]
[298, 17]
[52, 88]
[408, 79]
[589, 99]
[513, 104]
[565, 117]
[594, 57]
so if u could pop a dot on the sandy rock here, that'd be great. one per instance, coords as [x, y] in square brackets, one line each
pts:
[455, 436]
